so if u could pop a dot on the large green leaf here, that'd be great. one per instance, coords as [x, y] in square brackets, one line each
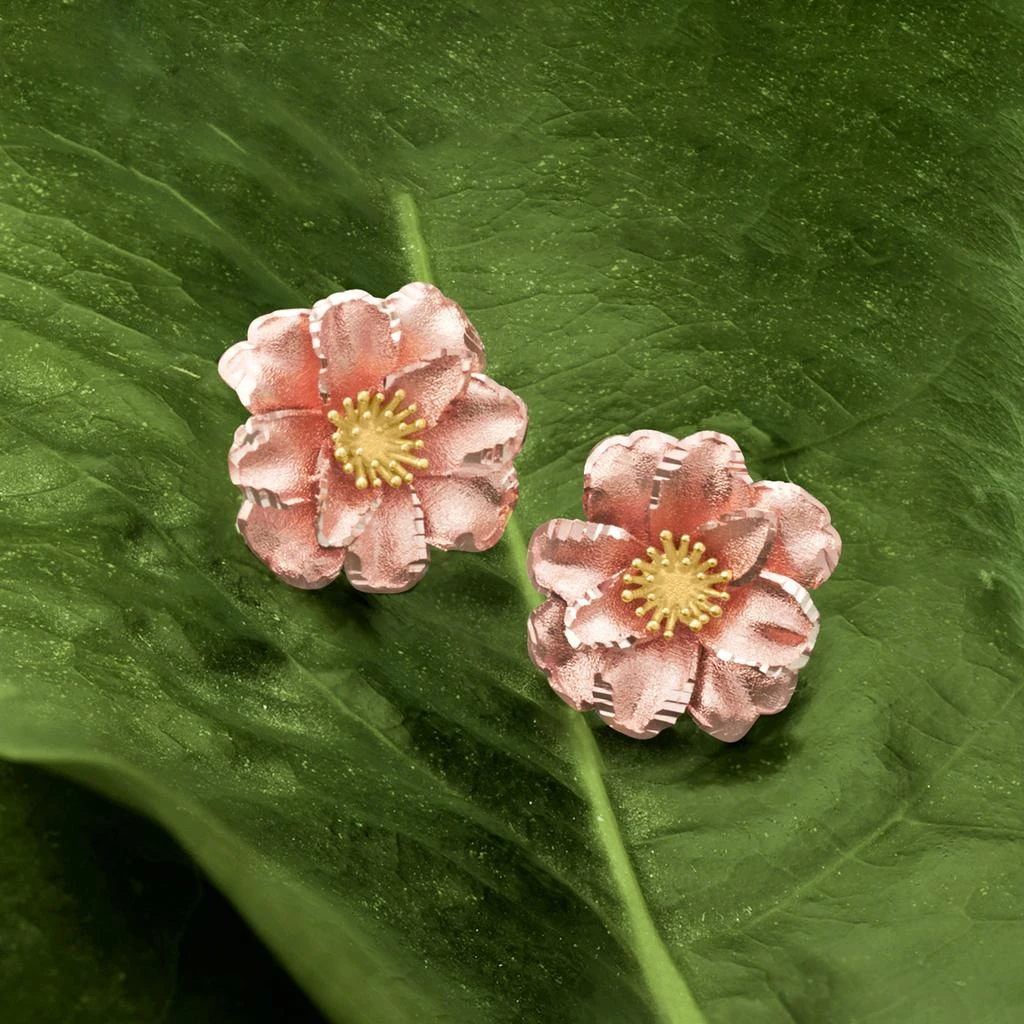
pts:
[105, 922]
[94, 906]
[795, 223]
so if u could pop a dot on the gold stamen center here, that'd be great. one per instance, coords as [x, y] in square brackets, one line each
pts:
[373, 441]
[677, 584]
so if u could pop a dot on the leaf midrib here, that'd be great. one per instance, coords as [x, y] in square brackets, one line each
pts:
[670, 995]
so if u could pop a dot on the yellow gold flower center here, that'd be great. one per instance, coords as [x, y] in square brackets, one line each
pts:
[373, 441]
[677, 584]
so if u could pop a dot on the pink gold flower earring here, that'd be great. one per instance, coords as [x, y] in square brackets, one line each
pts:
[374, 434]
[684, 591]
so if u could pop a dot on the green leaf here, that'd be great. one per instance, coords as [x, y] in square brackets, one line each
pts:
[93, 906]
[798, 224]
[106, 922]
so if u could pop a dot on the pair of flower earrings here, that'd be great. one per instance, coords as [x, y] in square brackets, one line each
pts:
[375, 434]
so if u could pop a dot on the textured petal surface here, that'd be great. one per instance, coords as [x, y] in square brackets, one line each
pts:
[701, 478]
[601, 618]
[740, 541]
[730, 697]
[807, 546]
[570, 672]
[568, 557]
[357, 342]
[482, 430]
[432, 383]
[643, 690]
[390, 555]
[275, 367]
[619, 477]
[430, 322]
[274, 455]
[342, 509]
[770, 622]
[285, 539]
[467, 513]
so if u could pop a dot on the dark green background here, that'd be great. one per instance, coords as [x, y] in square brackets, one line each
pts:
[798, 223]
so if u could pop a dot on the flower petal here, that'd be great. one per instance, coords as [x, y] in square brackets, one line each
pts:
[600, 618]
[643, 690]
[275, 367]
[343, 510]
[702, 477]
[730, 697]
[740, 541]
[570, 672]
[467, 513]
[285, 539]
[568, 557]
[390, 555]
[432, 383]
[483, 429]
[807, 546]
[771, 622]
[273, 457]
[618, 479]
[357, 342]
[430, 322]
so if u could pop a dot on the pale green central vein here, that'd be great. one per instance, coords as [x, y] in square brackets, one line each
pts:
[670, 994]
[412, 237]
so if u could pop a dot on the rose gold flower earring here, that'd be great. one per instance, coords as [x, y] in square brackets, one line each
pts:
[374, 433]
[684, 591]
